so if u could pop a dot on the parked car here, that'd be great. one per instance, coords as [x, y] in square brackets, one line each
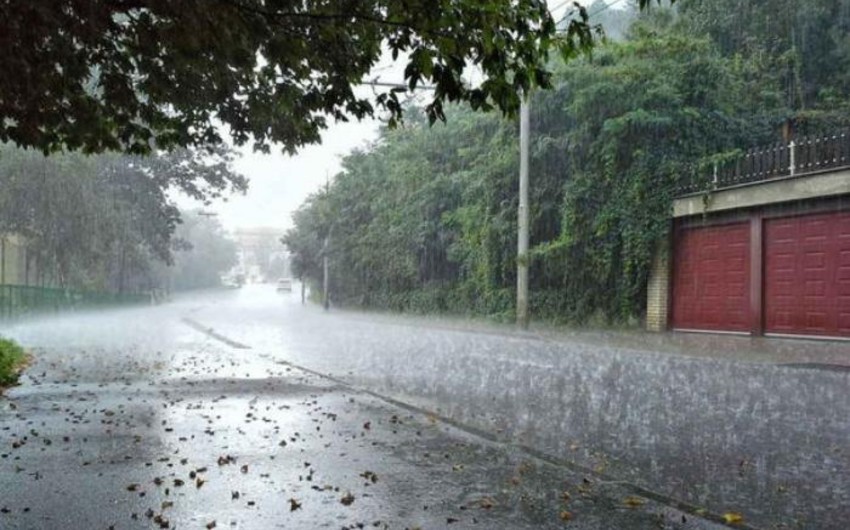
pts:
[284, 284]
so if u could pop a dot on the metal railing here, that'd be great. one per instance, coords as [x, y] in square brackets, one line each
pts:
[804, 155]
[20, 300]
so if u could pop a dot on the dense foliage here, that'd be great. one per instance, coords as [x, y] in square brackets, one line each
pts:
[105, 222]
[135, 75]
[425, 219]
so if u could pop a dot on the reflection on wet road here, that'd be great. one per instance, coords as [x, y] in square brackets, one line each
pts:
[768, 440]
[133, 419]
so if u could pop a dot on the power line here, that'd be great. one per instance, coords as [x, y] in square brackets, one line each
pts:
[385, 84]
[589, 15]
[562, 4]
[601, 9]
[395, 85]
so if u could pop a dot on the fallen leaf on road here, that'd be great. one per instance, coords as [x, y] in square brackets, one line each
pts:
[368, 475]
[487, 503]
[634, 502]
[161, 521]
[565, 515]
[347, 499]
[294, 505]
[732, 517]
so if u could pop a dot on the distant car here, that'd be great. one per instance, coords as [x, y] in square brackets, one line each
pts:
[284, 284]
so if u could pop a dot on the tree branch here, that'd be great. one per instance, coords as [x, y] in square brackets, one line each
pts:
[332, 17]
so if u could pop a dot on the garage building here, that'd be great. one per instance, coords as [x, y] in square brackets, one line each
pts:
[767, 252]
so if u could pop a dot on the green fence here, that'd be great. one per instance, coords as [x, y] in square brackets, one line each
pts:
[20, 300]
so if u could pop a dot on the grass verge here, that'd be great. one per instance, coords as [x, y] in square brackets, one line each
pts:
[13, 358]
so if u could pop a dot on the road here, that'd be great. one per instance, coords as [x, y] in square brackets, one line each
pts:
[423, 422]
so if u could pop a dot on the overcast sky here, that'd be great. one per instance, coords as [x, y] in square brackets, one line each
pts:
[280, 183]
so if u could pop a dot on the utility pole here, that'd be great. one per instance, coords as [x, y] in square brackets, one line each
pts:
[326, 303]
[522, 316]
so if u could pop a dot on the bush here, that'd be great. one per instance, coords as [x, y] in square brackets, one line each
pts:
[11, 357]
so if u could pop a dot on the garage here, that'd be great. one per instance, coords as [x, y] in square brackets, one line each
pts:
[807, 275]
[777, 273]
[711, 278]
[763, 249]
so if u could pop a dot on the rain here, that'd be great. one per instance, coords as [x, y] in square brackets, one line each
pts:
[508, 265]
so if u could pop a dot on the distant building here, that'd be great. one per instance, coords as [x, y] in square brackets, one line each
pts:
[259, 248]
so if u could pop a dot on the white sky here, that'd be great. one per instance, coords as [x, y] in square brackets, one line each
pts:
[279, 183]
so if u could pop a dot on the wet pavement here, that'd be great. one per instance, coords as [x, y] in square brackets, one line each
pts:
[136, 419]
[759, 427]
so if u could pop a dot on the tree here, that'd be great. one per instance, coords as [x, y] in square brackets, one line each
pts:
[100, 222]
[202, 255]
[799, 46]
[139, 75]
[425, 219]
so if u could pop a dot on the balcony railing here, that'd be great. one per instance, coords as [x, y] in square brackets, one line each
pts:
[804, 155]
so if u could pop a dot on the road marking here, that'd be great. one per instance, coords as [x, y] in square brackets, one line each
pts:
[197, 326]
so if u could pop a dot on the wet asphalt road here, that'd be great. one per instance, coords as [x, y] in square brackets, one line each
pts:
[133, 419]
[130, 397]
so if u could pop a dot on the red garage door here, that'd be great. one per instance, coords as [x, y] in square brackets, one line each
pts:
[807, 275]
[711, 284]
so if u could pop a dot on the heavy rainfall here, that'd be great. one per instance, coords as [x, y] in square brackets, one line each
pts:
[415, 264]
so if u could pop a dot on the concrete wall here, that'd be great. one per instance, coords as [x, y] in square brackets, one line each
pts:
[658, 290]
[828, 184]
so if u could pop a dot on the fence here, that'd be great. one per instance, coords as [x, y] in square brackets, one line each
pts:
[807, 154]
[19, 300]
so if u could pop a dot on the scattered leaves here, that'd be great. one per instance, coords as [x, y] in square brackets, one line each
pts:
[634, 502]
[487, 503]
[370, 476]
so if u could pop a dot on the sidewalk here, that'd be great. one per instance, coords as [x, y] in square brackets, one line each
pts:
[802, 352]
